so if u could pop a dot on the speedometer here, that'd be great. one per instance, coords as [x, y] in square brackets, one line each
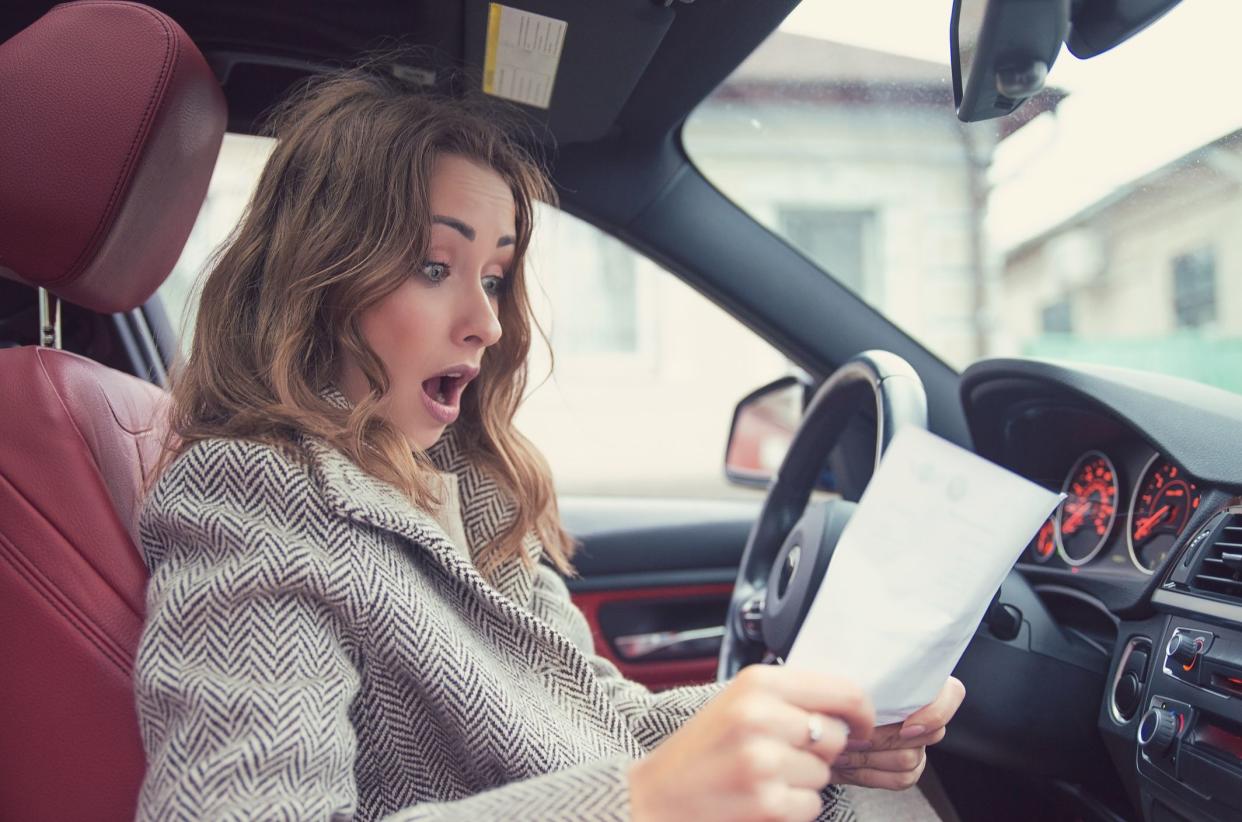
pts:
[1085, 519]
[1163, 502]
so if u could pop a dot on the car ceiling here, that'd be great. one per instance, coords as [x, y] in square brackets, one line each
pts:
[630, 67]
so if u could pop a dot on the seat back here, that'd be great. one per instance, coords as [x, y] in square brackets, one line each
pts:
[79, 442]
[112, 123]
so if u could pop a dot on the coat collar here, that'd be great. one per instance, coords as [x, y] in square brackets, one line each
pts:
[355, 495]
[486, 509]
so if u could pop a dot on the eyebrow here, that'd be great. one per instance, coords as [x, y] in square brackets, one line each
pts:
[468, 232]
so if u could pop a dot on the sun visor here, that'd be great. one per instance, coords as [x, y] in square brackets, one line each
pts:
[571, 66]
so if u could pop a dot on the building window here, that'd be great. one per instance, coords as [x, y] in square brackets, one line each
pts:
[835, 240]
[600, 299]
[1194, 289]
[1057, 318]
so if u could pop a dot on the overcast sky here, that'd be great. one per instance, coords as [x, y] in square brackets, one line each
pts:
[1169, 90]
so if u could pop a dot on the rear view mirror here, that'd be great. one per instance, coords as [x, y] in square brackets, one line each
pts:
[1001, 52]
[1096, 27]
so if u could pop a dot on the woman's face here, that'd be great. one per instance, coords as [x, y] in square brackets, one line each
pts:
[431, 332]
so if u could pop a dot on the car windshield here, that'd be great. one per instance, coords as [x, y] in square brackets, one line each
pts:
[1098, 223]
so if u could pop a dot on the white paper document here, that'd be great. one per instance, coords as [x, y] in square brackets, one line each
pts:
[934, 535]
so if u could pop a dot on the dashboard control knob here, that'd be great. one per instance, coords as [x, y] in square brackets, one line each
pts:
[1157, 731]
[1184, 649]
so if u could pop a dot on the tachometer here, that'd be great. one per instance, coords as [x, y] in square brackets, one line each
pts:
[1085, 518]
[1163, 502]
[1045, 543]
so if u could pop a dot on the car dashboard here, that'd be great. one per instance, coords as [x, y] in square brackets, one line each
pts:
[1142, 562]
[1127, 504]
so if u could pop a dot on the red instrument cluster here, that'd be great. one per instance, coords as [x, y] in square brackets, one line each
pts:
[1163, 503]
[1160, 505]
[1085, 519]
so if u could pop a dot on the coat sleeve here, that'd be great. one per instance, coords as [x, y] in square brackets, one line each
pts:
[246, 671]
[651, 716]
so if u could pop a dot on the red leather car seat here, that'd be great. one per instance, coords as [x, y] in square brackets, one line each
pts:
[111, 124]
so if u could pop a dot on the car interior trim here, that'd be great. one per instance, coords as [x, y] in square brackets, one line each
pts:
[1198, 606]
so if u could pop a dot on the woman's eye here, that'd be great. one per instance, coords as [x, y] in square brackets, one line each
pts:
[435, 272]
[494, 286]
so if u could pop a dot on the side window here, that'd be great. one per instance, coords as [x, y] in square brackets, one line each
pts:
[232, 182]
[605, 293]
[647, 370]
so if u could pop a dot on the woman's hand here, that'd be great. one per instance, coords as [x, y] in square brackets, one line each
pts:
[895, 755]
[760, 750]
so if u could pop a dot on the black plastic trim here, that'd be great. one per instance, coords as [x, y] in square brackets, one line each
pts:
[1195, 606]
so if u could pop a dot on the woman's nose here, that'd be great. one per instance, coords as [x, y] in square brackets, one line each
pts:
[480, 321]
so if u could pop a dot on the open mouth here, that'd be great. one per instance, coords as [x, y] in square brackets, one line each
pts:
[445, 389]
[442, 393]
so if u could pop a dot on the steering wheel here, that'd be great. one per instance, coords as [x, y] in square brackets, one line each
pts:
[791, 544]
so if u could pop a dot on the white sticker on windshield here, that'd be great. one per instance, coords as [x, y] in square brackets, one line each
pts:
[523, 52]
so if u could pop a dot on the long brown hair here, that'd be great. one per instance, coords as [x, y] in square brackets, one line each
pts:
[339, 220]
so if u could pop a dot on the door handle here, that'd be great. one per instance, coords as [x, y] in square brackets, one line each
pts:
[670, 644]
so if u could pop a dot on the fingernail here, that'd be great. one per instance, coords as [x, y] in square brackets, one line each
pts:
[858, 745]
[911, 731]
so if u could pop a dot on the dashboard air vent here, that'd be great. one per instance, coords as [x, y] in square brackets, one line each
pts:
[1220, 572]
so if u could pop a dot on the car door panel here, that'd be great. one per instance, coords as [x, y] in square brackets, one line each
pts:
[675, 622]
[654, 580]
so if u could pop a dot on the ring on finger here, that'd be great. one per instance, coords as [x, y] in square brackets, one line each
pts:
[814, 729]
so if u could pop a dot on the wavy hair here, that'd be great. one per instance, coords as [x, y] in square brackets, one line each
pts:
[339, 219]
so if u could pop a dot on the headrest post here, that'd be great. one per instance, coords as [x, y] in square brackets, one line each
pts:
[49, 325]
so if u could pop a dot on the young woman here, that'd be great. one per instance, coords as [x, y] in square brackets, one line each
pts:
[356, 607]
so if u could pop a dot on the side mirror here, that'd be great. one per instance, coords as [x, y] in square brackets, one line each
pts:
[1001, 52]
[764, 424]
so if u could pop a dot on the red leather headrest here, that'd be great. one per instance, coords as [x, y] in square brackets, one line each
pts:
[110, 123]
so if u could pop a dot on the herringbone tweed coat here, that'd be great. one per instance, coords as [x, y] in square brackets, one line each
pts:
[317, 648]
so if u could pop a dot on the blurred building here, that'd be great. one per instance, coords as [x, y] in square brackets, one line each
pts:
[1148, 277]
[857, 158]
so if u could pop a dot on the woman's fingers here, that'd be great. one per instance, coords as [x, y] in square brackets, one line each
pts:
[829, 737]
[816, 693]
[799, 803]
[923, 727]
[898, 780]
[805, 770]
[888, 737]
[938, 713]
[922, 741]
[901, 759]
[762, 749]
[823, 736]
